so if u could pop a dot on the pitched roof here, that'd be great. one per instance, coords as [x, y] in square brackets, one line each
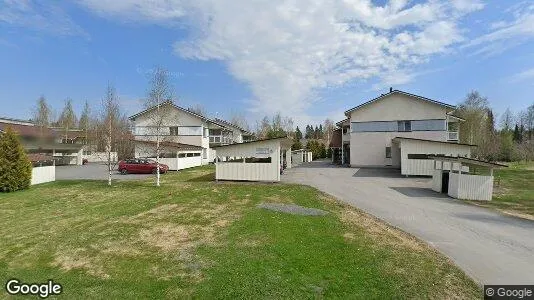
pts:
[226, 123]
[28, 130]
[169, 102]
[401, 93]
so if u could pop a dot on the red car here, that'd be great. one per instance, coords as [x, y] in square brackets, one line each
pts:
[140, 165]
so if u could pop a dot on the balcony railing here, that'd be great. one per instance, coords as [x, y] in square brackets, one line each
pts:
[219, 139]
[452, 135]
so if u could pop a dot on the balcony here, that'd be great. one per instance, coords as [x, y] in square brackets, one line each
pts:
[452, 136]
[220, 139]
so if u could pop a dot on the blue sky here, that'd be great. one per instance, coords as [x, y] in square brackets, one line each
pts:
[309, 59]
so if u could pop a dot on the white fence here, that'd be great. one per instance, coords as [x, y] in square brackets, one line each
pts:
[180, 163]
[100, 156]
[43, 174]
[248, 171]
[470, 187]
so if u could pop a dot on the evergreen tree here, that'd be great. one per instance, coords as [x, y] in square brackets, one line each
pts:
[298, 134]
[15, 167]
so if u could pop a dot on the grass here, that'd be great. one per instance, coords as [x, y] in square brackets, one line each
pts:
[513, 191]
[193, 238]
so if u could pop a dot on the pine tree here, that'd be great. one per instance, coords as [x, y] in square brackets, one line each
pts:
[517, 134]
[15, 167]
[298, 134]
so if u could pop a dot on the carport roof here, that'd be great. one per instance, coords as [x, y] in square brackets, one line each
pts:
[433, 141]
[466, 161]
[284, 140]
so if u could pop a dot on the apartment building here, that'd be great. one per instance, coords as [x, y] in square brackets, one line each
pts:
[184, 134]
[395, 130]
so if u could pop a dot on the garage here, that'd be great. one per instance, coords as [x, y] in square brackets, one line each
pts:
[260, 160]
[410, 154]
[450, 177]
[175, 155]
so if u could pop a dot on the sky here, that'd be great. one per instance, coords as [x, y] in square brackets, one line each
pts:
[308, 59]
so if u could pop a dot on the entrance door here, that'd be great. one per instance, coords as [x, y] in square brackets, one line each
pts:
[445, 183]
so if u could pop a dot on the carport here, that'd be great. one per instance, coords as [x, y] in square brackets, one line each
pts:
[449, 177]
[175, 155]
[259, 160]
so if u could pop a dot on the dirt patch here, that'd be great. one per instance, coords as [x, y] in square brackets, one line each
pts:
[380, 231]
[72, 259]
[167, 237]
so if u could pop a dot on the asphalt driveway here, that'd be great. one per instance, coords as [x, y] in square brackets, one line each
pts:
[490, 247]
[93, 171]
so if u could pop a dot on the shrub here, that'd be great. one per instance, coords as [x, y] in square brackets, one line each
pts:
[15, 167]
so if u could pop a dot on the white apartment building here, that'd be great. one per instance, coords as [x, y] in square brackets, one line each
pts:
[395, 129]
[183, 133]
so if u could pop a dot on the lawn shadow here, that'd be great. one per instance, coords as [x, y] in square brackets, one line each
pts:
[204, 178]
[419, 192]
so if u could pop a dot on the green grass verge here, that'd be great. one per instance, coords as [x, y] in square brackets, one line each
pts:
[194, 238]
[513, 191]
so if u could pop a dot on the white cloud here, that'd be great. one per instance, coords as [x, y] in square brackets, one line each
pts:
[288, 50]
[507, 34]
[523, 76]
[49, 18]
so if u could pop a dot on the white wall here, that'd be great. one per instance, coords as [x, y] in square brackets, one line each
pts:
[297, 158]
[470, 187]
[369, 148]
[436, 180]
[43, 174]
[398, 107]
[100, 157]
[249, 171]
[425, 167]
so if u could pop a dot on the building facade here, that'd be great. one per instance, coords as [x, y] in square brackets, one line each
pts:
[181, 133]
[375, 132]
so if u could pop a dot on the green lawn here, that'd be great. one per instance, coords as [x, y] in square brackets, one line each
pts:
[514, 190]
[194, 238]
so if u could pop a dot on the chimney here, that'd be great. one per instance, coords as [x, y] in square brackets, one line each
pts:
[390, 89]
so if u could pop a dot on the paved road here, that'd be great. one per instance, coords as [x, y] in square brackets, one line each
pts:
[490, 247]
[92, 171]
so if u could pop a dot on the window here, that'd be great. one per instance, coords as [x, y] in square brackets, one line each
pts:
[404, 126]
[193, 154]
[388, 152]
[173, 130]
[181, 155]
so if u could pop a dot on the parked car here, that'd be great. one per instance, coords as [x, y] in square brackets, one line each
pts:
[141, 166]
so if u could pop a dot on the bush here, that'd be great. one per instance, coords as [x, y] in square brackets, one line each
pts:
[15, 167]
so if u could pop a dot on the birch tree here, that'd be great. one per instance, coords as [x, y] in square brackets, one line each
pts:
[110, 113]
[160, 90]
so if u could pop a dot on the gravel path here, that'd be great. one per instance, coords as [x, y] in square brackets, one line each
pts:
[293, 209]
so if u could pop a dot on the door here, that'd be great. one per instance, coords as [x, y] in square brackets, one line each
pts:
[445, 183]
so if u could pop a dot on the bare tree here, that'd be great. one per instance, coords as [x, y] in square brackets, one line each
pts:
[198, 109]
[67, 118]
[239, 120]
[328, 130]
[507, 120]
[85, 120]
[42, 114]
[160, 91]
[110, 111]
